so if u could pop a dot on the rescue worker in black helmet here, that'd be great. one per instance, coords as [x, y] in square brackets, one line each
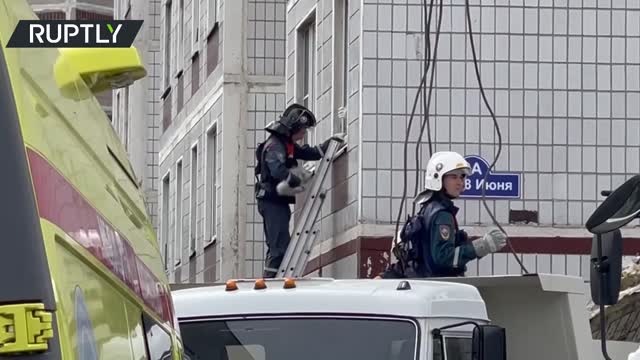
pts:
[279, 178]
[438, 247]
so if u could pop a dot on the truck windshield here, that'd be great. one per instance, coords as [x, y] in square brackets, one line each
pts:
[300, 338]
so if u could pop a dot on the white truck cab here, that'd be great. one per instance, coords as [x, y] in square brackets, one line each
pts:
[517, 317]
[539, 316]
[328, 319]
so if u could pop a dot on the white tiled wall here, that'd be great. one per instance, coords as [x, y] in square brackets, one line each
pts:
[567, 101]
[562, 77]
[332, 221]
[266, 41]
[264, 107]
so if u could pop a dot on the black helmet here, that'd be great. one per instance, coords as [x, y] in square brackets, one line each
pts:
[294, 118]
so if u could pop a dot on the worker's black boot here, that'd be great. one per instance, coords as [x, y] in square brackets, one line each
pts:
[268, 274]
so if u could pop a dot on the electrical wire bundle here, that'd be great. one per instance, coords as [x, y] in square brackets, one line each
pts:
[431, 63]
[427, 62]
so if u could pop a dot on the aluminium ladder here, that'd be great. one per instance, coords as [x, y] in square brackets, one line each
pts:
[304, 235]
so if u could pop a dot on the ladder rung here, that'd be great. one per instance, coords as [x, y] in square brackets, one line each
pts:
[304, 235]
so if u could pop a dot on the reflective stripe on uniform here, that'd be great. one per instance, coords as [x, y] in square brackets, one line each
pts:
[456, 256]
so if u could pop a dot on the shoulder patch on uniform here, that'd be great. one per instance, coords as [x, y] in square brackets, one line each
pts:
[445, 232]
[444, 217]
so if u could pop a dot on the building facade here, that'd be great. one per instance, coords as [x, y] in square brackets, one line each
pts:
[562, 77]
[222, 80]
[78, 10]
[136, 108]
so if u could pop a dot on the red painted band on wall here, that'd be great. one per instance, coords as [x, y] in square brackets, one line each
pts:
[60, 203]
[374, 247]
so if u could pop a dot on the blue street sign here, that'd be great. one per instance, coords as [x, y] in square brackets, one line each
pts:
[499, 185]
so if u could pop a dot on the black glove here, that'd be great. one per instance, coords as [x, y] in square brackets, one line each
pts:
[462, 236]
[293, 180]
[325, 145]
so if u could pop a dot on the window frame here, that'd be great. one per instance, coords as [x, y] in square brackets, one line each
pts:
[178, 215]
[306, 66]
[443, 341]
[195, 27]
[180, 48]
[211, 164]
[212, 6]
[341, 66]
[164, 218]
[249, 317]
[125, 116]
[148, 320]
[167, 8]
[193, 205]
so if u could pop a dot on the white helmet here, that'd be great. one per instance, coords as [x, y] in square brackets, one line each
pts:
[441, 163]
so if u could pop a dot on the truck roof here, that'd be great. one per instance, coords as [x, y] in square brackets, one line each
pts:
[411, 298]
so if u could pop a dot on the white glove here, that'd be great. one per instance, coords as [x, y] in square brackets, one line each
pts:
[310, 168]
[491, 242]
[303, 173]
[396, 240]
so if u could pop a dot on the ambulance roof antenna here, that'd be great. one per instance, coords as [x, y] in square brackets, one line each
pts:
[495, 123]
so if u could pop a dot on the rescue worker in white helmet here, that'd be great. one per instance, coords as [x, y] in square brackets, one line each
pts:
[439, 247]
[279, 178]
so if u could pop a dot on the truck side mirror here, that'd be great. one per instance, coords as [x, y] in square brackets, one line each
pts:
[489, 343]
[612, 261]
[619, 209]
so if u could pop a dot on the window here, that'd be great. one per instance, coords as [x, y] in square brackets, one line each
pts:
[195, 25]
[195, 73]
[193, 198]
[127, 14]
[180, 92]
[178, 242]
[180, 44]
[213, 43]
[306, 64]
[167, 44]
[115, 111]
[158, 341]
[51, 15]
[125, 118]
[166, 111]
[210, 184]
[341, 65]
[212, 14]
[213, 36]
[164, 220]
[306, 67]
[89, 15]
[456, 347]
[343, 338]
[121, 120]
